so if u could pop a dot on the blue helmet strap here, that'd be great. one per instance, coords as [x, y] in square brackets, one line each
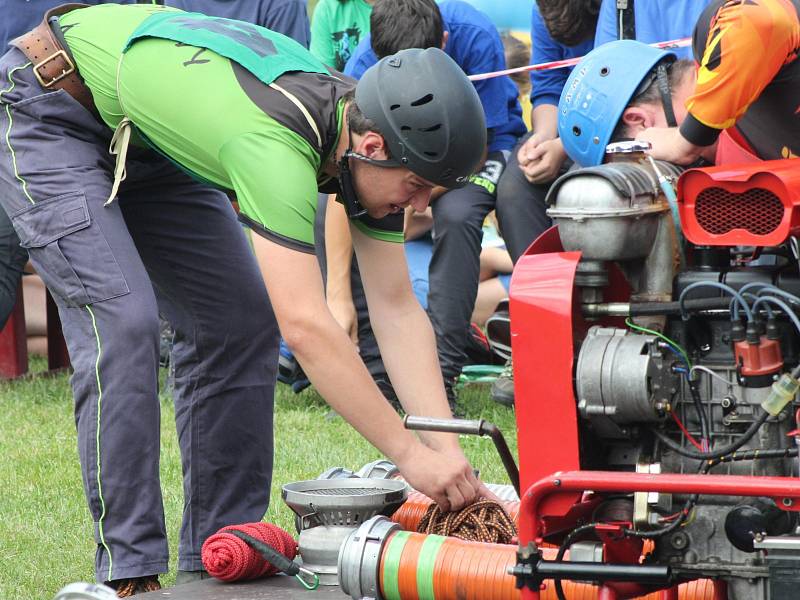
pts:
[662, 80]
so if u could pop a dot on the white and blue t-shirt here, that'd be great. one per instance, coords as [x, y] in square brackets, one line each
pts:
[655, 21]
[546, 86]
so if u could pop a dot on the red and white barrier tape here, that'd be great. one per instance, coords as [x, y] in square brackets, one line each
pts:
[570, 62]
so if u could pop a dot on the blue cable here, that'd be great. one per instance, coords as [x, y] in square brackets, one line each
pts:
[754, 284]
[676, 353]
[714, 284]
[780, 304]
[734, 306]
[779, 292]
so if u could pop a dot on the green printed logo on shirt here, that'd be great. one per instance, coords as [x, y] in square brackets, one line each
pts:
[266, 54]
[344, 43]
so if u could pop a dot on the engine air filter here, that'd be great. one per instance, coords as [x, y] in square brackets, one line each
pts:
[757, 211]
[749, 205]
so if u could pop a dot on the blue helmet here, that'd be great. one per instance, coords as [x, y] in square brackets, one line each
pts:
[597, 92]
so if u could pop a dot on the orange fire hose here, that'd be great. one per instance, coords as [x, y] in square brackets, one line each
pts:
[416, 566]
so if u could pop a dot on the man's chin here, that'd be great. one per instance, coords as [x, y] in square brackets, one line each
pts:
[378, 213]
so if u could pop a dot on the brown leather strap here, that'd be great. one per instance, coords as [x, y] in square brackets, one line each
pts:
[52, 64]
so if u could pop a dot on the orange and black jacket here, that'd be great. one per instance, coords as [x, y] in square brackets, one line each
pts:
[748, 76]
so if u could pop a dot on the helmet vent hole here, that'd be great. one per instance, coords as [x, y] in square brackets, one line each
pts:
[424, 100]
[604, 71]
[576, 131]
[431, 154]
[394, 107]
[432, 128]
[405, 128]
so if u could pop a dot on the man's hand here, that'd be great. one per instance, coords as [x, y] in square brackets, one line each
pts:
[446, 478]
[344, 311]
[541, 159]
[668, 144]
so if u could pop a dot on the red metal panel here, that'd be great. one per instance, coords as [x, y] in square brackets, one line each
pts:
[541, 342]
[57, 355]
[13, 342]
[545, 319]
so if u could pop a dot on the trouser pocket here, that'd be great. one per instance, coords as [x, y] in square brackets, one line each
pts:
[69, 250]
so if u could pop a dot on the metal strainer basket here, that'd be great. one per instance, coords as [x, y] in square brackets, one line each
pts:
[343, 502]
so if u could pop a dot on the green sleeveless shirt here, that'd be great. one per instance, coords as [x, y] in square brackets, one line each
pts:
[233, 104]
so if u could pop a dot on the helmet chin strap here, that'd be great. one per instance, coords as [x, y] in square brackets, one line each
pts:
[662, 80]
[347, 184]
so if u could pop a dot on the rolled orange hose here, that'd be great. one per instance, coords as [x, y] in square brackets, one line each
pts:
[409, 515]
[415, 566]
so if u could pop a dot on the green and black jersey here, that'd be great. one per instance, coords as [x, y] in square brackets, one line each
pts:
[233, 104]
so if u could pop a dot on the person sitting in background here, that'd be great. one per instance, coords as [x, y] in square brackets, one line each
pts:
[559, 30]
[288, 17]
[649, 21]
[518, 54]
[337, 27]
[495, 275]
[470, 38]
[495, 262]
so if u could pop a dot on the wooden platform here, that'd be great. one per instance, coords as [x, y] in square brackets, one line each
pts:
[279, 587]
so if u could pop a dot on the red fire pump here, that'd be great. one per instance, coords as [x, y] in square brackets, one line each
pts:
[656, 374]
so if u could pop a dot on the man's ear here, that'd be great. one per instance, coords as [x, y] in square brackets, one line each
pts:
[445, 36]
[373, 145]
[636, 119]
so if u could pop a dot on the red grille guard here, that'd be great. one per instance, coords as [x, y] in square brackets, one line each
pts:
[741, 205]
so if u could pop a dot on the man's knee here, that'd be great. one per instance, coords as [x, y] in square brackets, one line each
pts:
[515, 194]
[134, 322]
[247, 328]
[457, 210]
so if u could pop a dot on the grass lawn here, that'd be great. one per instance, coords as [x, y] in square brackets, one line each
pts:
[45, 529]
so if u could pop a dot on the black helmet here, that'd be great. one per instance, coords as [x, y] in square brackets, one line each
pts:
[428, 112]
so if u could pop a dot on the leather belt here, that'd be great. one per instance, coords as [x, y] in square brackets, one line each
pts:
[53, 65]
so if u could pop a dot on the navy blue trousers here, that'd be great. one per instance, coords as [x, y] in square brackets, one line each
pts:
[168, 245]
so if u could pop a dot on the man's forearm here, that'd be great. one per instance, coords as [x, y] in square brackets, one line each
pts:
[408, 348]
[338, 252]
[338, 374]
[544, 121]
